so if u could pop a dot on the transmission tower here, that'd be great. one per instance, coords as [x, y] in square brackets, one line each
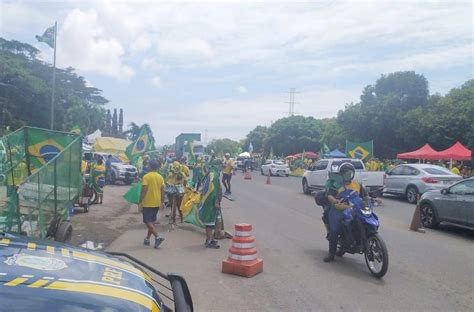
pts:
[292, 102]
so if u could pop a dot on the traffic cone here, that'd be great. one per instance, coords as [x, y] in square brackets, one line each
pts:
[416, 220]
[247, 176]
[243, 260]
[269, 181]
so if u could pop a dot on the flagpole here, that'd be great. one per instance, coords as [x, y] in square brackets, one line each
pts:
[54, 76]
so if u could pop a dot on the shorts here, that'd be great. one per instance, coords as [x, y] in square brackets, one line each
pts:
[149, 214]
[226, 177]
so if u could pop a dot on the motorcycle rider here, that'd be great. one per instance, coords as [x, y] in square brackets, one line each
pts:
[346, 172]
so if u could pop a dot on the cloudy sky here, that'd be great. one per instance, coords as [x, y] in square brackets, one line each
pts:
[227, 66]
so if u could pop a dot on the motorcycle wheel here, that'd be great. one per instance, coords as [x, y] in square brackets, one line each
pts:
[376, 256]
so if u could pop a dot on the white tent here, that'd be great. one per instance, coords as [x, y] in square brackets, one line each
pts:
[90, 139]
[244, 154]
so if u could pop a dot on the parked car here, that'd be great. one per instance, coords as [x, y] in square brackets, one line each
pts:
[316, 176]
[454, 204]
[411, 180]
[275, 167]
[120, 171]
[43, 275]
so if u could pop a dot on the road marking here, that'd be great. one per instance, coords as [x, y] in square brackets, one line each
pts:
[38, 283]
[16, 281]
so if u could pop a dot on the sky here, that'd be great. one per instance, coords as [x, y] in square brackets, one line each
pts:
[224, 67]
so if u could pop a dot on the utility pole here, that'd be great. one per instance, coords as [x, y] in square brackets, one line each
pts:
[292, 102]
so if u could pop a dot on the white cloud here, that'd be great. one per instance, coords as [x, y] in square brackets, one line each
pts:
[156, 81]
[242, 89]
[140, 44]
[84, 44]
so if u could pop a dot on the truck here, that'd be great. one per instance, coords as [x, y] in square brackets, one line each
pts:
[316, 176]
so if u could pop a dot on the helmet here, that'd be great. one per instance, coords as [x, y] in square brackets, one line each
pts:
[346, 170]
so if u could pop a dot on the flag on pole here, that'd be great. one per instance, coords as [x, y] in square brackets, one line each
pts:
[324, 150]
[144, 143]
[362, 150]
[190, 150]
[250, 148]
[48, 36]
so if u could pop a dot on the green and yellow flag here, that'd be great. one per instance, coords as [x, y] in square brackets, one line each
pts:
[45, 145]
[324, 150]
[76, 130]
[363, 150]
[143, 144]
[48, 36]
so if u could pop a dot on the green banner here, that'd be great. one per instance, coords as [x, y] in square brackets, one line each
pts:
[363, 150]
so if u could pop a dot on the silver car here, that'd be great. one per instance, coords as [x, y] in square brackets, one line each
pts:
[454, 204]
[411, 180]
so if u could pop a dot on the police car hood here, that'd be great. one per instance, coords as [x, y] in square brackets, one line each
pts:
[48, 276]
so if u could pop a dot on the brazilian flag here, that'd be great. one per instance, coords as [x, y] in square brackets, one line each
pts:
[363, 150]
[143, 144]
[190, 150]
[45, 145]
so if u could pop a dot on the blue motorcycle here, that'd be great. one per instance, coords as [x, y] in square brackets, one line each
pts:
[359, 234]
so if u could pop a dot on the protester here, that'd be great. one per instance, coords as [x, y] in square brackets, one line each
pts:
[108, 170]
[175, 189]
[227, 174]
[151, 200]
[97, 177]
[455, 169]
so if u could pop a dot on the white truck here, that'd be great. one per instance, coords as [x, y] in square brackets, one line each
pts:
[315, 177]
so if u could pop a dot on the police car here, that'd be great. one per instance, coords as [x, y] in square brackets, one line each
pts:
[40, 275]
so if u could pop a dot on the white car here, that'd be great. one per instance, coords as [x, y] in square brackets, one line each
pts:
[275, 167]
[120, 171]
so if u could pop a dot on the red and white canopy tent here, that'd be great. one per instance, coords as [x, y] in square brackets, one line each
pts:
[456, 152]
[424, 152]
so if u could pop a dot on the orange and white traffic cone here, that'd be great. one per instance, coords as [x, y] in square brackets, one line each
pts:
[247, 176]
[415, 224]
[243, 260]
[269, 181]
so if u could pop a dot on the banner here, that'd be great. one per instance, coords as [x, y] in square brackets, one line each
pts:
[363, 150]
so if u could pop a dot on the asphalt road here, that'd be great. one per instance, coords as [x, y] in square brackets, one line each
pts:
[433, 271]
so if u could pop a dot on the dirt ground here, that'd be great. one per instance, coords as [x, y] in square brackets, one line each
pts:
[104, 223]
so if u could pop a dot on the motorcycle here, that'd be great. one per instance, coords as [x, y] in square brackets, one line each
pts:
[359, 234]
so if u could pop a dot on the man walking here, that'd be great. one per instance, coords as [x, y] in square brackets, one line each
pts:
[151, 200]
[108, 169]
[227, 174]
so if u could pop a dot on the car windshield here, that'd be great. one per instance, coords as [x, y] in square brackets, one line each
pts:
[279, 163]
[115, 159]
[437, 171]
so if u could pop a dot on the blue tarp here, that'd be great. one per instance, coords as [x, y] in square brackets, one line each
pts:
[335, 154]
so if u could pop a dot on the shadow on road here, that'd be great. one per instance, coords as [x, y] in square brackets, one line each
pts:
[350, 265]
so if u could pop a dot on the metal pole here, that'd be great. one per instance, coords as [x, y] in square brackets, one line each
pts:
[54, 76]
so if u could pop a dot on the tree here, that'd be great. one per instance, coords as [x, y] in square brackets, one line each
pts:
[294, 134]
[28, 94]
[257, 137]
[219, 147]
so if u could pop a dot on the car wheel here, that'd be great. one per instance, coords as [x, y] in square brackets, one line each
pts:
[428, 216]
[287, 175]
[412, 194]
[306, 189]
[64, 232]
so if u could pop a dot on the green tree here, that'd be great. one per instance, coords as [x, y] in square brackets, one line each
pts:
[28, 94]
[219, 147]
[257, 137]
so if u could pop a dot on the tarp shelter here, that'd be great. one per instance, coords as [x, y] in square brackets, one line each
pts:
[424, 152]
[455, 152]
[336, 154]
[90, 139]
[311, 155]
[112, 146]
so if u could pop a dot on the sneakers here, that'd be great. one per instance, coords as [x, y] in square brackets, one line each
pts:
[212, 244]
[158, 241]
[146, 242]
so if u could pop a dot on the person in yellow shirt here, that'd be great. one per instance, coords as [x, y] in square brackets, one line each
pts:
[228, 167]
[455, 170]
[151, 200]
